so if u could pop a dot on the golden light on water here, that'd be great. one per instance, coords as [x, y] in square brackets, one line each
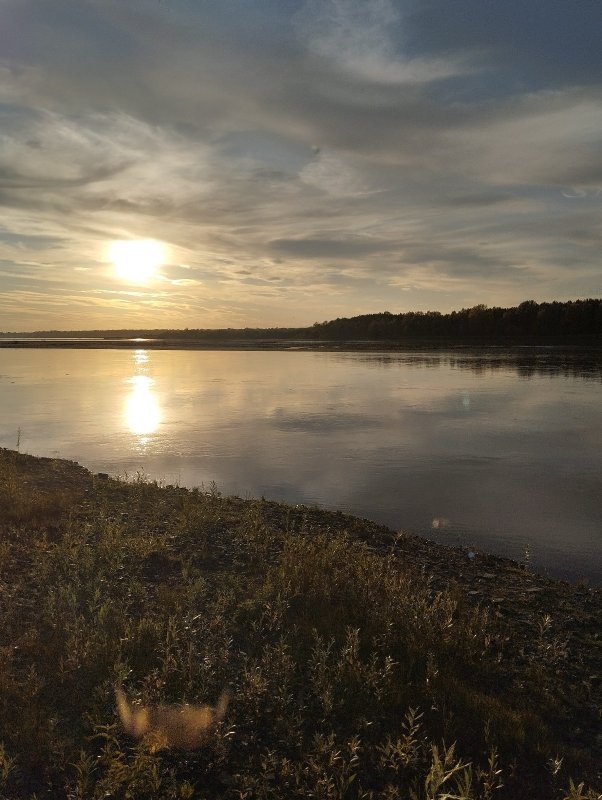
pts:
[140, 358]
[136, 260]
[142, 411]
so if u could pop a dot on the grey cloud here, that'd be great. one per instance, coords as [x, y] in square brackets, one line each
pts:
[290, 94]
[329, 248]
[23, 241]
[454, 257]
[14, 179]
[585, 171]
[479, 199]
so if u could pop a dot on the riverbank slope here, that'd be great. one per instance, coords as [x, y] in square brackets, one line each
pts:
[361, 662]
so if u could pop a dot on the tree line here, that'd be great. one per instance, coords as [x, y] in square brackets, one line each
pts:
[574, 319]
[529, 320]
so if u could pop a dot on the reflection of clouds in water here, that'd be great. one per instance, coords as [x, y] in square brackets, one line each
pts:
[325, 422]
[142, 411]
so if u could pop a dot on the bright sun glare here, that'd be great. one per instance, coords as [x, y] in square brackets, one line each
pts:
[136, 260]
[142, 410]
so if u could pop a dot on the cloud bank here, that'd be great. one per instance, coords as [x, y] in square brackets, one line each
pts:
[300, 161]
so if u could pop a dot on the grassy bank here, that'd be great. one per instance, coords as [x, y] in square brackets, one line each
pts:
[361, 663]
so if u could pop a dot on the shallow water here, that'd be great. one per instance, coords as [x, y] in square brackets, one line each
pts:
[496, 449]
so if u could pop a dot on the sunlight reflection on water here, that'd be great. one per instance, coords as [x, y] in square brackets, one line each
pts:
[494, 450]
[142, 411]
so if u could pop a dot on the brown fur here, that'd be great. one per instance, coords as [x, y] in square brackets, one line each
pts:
[184, 726]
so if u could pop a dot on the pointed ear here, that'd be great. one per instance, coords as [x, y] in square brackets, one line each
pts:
[134, 720]
[222, 705]
[123, 709]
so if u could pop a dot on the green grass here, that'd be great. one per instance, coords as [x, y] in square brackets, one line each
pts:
[351, 675]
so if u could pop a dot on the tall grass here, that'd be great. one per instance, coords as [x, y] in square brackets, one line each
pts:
[350, 676]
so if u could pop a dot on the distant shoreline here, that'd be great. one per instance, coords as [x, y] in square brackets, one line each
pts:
[348, 345]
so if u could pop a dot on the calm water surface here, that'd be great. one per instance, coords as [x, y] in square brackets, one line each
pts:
[488, 449]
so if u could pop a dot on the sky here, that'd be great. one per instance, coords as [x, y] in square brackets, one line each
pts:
[296, 160]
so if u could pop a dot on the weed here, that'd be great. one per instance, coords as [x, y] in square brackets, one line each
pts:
[351, 675]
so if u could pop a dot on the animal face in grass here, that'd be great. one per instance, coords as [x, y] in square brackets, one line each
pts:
[181, 726]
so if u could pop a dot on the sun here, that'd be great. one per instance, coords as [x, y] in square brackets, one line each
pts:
[136, 260]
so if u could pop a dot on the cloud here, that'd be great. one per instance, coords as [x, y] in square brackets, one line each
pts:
[360, 37]
[544, 138]
[352, 247]
[350, 152]
[334, 174]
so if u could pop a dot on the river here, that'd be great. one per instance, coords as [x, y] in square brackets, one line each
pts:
[494, 449]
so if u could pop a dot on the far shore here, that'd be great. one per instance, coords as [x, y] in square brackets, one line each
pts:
[347, 345]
